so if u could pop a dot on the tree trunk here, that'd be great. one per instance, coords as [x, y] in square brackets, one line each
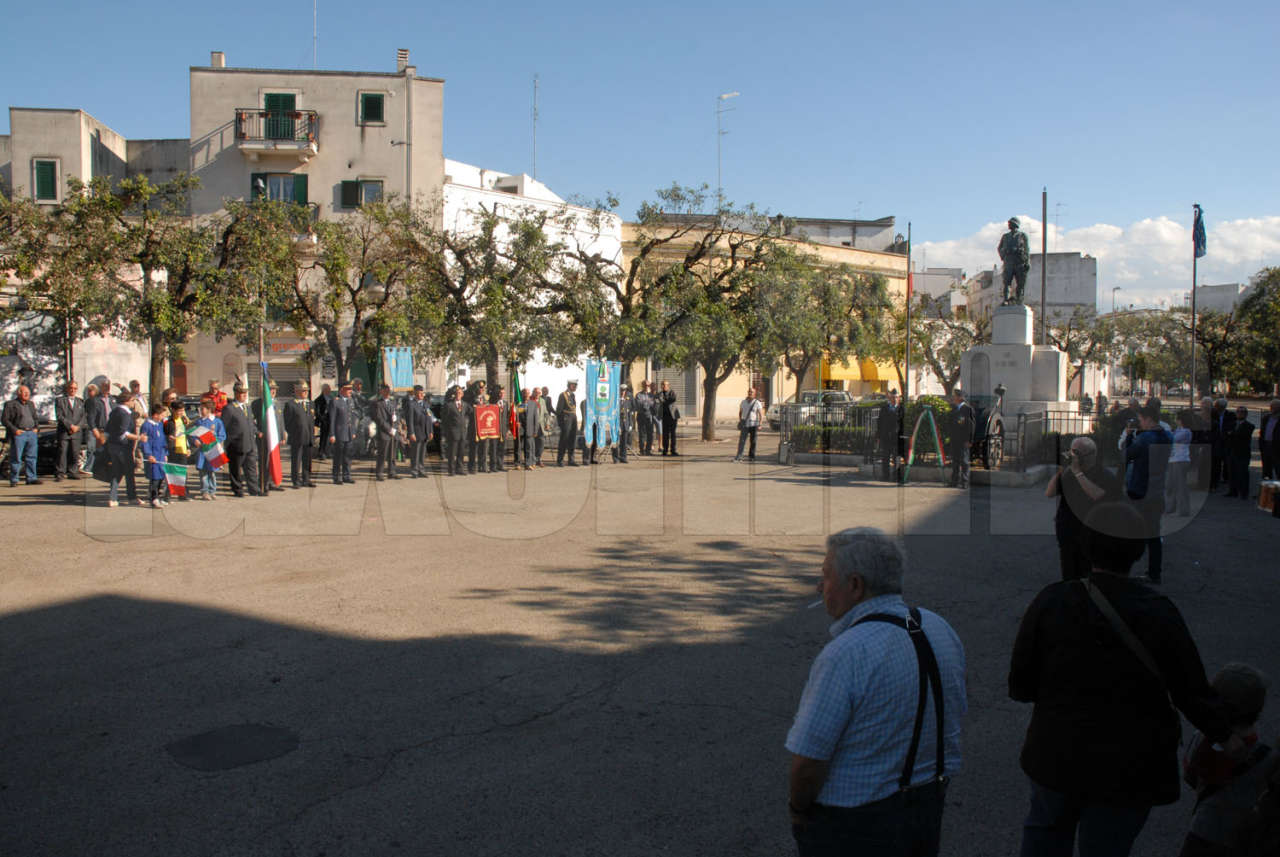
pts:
[491, 366]
[710, 386]
[159, 356]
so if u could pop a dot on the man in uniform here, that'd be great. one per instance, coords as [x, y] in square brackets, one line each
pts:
[567, 417]
[498, 446]
[418, 421]
[321, 405]
[531, 428]
[626, 413]
[68, 410]
[1015, 261]
[960, 439]
[242, 444]
[455, 417]
[670, 418]
[384, 415]
[342, 434]
[644, 405]
[299, 426]
[888, 429]
[477, 450]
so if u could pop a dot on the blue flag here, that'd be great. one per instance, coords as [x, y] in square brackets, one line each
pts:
[1197, 233]
[602, 400]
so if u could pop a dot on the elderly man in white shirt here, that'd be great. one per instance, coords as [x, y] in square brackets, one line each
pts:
[750, 414]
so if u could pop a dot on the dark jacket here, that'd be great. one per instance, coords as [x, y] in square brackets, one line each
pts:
[19, 416]
[567, 406]
[242, 433]
[887, 425]
[962, 427]
[1146, 454]
[1074, 505]
[417, 416]
[321, 406]
[667, 406]
[383, 414]
[1102, 728]
[1221, 425]
[299, 424]
[95, 415]
[342, 419]
[454, 420]
[69, 413]
[1240, 443]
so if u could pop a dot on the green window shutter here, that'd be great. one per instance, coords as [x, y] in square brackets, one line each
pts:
[279, 101]
[371, 107]
[279, 107]
[46, 180]
[300, 189]
[351, 194]
[257, 186]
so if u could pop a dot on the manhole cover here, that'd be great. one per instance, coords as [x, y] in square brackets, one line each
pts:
[233, 747]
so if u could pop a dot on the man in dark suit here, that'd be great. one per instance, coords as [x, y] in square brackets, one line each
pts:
[476, 449]
[960, 439]
[385, 418]
[418, 422]
[1221, 424]
[531, 428]
[567, 417]
[455, 417]
[670, 418]
[498, 445]
[888, 431]
[1269, 441]
[321, 410]
[1240, 453]
[645, 418]
[242, 444]
[68, 411]
[299, 426]
[626, 416]
[342, 434]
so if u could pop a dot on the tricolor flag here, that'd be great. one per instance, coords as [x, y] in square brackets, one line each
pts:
[176, 476]
[204, 437]
[517, 399]
[271, 431]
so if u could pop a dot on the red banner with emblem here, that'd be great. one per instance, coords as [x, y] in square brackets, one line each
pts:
[487, 417]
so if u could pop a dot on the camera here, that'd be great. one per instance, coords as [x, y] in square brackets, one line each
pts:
[1133, 424]
[1067, 457]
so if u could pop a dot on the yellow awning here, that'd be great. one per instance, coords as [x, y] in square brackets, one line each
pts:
[864, 369]
[840, 371]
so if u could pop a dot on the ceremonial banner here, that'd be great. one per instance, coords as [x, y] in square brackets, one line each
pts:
[602, 400]
[397, 368]
[271, 431]
[487, 427]
[176, 476]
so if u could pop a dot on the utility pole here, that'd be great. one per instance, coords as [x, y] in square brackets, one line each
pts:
[720, 110]
[906, 353]
[535, 126]
[1044, 264]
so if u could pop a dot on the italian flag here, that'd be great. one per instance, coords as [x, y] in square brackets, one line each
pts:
[176, 476]
[517, 399]
[272, 431]
[209, 446]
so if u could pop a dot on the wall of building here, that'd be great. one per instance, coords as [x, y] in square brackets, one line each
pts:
[102, 150]
[37, 133]
[6, 164]
[1221, 298]
[158, 160]
[1071, 282]
[404, 152]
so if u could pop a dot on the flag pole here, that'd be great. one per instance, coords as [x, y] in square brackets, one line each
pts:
[1195, 258]
[906, 352]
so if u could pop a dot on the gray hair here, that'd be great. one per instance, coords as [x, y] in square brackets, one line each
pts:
[870, 554]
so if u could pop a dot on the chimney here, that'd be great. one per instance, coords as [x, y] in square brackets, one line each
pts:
[402, 59]
[217, 59]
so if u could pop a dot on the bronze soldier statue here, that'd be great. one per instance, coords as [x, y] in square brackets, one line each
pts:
[1015, 257]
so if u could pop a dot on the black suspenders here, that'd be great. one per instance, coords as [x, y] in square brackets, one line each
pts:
[930, 677]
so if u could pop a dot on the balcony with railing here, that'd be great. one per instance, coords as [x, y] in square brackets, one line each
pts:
[289, 133]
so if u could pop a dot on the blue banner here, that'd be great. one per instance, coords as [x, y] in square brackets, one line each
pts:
[1198, 239]
[601, 399]
[397, 368]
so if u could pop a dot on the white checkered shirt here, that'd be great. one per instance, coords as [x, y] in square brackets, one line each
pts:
[859, 705]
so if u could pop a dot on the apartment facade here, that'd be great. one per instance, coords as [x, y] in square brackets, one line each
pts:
[1071, 281]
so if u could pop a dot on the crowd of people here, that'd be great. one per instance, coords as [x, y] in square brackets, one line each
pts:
[478, 431]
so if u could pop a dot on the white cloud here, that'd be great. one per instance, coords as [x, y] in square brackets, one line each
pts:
[1149, 260]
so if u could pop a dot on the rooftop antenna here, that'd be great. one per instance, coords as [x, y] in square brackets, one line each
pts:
[315, 33]
[535, 126]
[1057, 229]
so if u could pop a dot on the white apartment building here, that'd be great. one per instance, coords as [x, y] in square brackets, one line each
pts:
[1222, 298]
[1071, 281]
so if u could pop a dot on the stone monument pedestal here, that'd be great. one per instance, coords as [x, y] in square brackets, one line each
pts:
[1034, 376]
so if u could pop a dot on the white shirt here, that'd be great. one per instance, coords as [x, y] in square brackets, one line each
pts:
[749, 412]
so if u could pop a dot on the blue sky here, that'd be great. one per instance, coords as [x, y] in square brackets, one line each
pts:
[948, 115]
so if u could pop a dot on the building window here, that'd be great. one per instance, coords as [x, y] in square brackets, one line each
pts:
[280, 108]
[371, 112]
[279, 187]
[361, 192]
[46, 181]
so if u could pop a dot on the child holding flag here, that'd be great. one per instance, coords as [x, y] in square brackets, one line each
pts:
[209, 434]
[154, 447]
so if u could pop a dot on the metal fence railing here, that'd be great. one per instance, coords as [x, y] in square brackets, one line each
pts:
[829, 428]
[298, 126]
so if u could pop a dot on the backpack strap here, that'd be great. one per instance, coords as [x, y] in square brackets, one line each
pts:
[930, 677]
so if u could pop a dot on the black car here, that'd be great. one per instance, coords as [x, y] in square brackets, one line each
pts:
[46, 453]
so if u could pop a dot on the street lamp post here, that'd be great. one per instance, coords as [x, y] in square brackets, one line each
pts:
[721, 110]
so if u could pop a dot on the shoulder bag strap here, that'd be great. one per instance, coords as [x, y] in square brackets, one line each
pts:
[930, 676]
[1129, 638]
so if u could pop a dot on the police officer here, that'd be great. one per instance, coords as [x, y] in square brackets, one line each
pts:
[498, 445]
[477, 450]
[299, 427]
[342, 434]
[454, 420]
[385, 416]
[242, 444]
[961, 438]
[419, 423]
[567, 417]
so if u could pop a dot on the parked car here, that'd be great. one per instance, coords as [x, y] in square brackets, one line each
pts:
[817, 407]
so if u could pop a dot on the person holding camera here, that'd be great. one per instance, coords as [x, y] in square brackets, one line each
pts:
[1146, 454]
[1080, 484]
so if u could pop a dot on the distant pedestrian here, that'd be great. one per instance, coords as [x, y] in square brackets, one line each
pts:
[870, 760]
[889, 431]
[1240, 454]
[1147, 447]
[1221, 424]
[961, 439]
[1100, 659]
[20, 423]
[1269, 441]
[1177, 495]
[68, 411]
[670, 418]
[750, 414]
